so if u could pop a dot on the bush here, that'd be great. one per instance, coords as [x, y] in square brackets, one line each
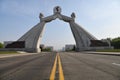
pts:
[1, 45]
[46, 49]
[116, 43]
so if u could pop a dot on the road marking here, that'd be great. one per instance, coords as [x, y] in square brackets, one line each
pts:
[52, 75]
[61, 76]
[116, 64]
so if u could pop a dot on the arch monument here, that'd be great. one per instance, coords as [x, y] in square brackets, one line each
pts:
[30, 41]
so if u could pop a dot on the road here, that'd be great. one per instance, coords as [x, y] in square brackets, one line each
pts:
[29, 67]
[80, 66]
[69, 66]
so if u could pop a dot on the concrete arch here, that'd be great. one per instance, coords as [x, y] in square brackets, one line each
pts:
[33, 37]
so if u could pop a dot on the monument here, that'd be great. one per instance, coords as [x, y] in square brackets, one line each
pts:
[31, 40]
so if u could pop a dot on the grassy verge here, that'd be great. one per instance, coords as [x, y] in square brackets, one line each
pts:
[8, 52]
[109, 50]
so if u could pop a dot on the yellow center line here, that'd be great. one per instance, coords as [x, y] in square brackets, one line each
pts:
[52, 75]
[61, 76]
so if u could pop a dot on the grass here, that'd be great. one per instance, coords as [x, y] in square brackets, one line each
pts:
[109, 50]
[8, 52]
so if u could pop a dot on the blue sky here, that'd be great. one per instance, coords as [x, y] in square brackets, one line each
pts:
[99, 17]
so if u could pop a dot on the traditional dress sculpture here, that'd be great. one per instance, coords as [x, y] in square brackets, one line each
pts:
[33, 37]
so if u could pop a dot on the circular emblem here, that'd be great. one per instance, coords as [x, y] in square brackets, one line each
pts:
[57, 9]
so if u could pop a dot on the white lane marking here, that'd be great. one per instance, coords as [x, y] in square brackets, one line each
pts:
[116, 64]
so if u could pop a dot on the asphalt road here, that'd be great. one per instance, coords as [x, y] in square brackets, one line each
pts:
[29, 67]
[81, 66]
[75, 66]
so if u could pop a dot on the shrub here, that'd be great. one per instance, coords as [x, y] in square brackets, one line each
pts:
[116, 43]
[1, 45]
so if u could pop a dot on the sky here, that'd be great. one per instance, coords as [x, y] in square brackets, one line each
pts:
[99, 17]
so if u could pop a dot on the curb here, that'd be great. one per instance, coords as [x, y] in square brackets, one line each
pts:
[103, 53]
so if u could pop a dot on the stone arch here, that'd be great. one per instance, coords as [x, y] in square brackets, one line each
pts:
[33, 37]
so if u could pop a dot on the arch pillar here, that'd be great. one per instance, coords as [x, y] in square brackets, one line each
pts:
[33, 37]
[82, 37]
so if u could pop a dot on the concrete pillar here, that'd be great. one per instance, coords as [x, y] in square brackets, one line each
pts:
[32, 37]
[82, 37]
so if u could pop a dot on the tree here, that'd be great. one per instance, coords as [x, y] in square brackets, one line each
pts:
[116, 43]
[46, 49]
[74, 48]
[1, 45]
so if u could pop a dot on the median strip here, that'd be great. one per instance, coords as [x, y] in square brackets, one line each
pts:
[61, 76]
[53, 72]
[52, 75]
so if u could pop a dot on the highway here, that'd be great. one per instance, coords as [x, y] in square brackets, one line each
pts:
[60, 66]
[81, 66]
[30, 67]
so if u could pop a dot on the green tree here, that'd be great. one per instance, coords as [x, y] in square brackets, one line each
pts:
[1, 45]
[74, 48]
[116, 43]
[46, 49]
